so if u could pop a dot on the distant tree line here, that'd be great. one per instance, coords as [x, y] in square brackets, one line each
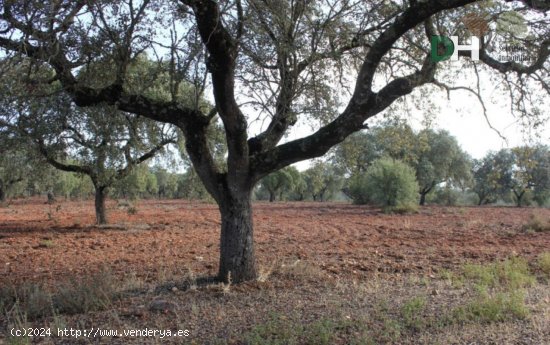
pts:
[389, 165]
[442, 173]
[144, 182]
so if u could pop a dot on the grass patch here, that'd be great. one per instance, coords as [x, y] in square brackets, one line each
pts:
[31, 300]
[456, 280]
[486, 308]
[412, 312]
[499, 292]
[384, 328]
[510, 274]
[537, 222]
[35, 301]
[280, 330]
[401, 209]
[544, 263]
[46, 244]
[85, 295]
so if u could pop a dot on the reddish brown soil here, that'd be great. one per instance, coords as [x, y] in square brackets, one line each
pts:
[43, 242]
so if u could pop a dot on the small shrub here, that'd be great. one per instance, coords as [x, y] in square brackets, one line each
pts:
[446, 196]
[132, 210]
[356, 190]
[388, 183]
[510, 274]
[280, 330]
[544, 263]
[76, 296]
[31, 300]
[412, 313]
[123, 203]
[17, 319]
[89, 294]
[538, 223]
[500, 307]
[46, 244]
[402, 209]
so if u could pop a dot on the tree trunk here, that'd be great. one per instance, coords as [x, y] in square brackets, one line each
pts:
[2, 194]
[519, 196]
[100, 213]
[271, 196]
[237, 260]
[422, 199]
[51, 198]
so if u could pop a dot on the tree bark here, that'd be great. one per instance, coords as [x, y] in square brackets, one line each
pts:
[423, 192]
[100, 212]
[422, 199]
[237, 260]
[519, 197]
[2, 194]
[51, 198]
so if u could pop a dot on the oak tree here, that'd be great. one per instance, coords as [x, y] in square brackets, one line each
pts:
[331, 63]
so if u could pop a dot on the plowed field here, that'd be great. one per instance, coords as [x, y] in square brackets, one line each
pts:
[48, 242]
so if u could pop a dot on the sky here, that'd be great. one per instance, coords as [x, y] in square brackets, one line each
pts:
[462, 115]
[464, 119]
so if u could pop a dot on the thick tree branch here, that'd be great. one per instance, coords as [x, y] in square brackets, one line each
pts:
[132, 162]
[168, 112]
[364, 102]
[283, 118]
[86, 170]
[221, 64]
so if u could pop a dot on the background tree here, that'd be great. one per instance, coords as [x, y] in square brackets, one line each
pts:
[20, 166]
[167, 183]
[14, 167]
[440, 160]
[298, 189]
[100, 143]
[531, 172]
[353, 156]
[493, 176]
[278, 182]
[191, 188]
[322, 180]
[388, 183]
[436, 156]
[278, 57]
[139, 183]
[541, 174]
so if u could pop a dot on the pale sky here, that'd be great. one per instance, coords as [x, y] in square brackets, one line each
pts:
[462, 116]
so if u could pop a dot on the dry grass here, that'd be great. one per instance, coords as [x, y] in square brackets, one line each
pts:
[296, 302]
[76, 296]
[537, 222]
[544, 263]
